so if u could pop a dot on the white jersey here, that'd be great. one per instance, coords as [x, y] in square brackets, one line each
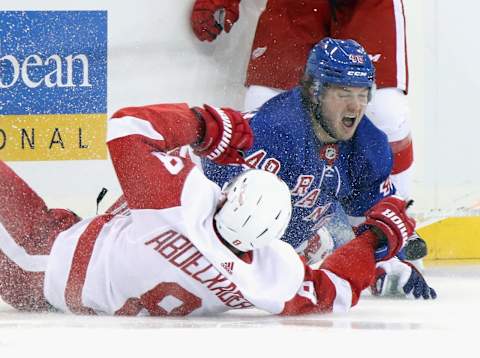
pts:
[164, 257]
[130, 264]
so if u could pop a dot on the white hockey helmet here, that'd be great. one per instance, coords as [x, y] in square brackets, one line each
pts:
[257, 210]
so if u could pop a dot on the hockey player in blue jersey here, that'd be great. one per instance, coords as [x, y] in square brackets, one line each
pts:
[317, 138]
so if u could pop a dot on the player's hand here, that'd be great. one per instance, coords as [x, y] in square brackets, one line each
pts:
[395, 277]
[388, 219]
[210, 17]
[226, 136]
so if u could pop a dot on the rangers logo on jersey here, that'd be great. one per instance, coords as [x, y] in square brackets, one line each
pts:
[329, 153]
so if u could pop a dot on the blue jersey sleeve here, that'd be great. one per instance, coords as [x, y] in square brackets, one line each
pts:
[370, 168]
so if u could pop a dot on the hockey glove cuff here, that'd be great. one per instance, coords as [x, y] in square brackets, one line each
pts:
[388, 220]
[226, 135]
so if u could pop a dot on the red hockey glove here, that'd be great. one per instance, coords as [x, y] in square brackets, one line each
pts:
[390, 217]
[226, 135]
[203, 21]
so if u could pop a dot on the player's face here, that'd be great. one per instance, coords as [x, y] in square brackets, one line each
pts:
[342, 110]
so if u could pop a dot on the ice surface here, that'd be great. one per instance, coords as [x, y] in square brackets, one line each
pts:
[376, 327]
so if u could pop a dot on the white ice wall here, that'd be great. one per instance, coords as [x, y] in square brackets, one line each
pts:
[153, 57]
[445, 83]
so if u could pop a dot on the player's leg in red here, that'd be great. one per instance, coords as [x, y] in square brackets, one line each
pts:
[27, 232]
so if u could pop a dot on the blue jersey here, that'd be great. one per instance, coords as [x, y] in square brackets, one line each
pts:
[353, 174]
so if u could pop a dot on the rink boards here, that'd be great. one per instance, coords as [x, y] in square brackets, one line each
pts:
[453, 238]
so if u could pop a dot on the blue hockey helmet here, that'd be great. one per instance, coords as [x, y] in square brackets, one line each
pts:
[340, 62]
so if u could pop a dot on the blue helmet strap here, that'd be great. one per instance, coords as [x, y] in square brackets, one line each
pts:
[315, 110]
[312, 93]
[320, 119]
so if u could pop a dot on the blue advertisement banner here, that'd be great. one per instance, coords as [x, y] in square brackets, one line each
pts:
[53, 62]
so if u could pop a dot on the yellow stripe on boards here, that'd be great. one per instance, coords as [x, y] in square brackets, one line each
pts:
[53, 137]
[455, 238]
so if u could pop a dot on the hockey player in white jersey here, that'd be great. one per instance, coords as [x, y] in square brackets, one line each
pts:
[184, 247]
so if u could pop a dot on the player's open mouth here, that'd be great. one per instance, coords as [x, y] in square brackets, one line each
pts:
[349, 121]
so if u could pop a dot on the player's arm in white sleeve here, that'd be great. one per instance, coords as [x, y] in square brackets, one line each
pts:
[337, 284]
[138, 138]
